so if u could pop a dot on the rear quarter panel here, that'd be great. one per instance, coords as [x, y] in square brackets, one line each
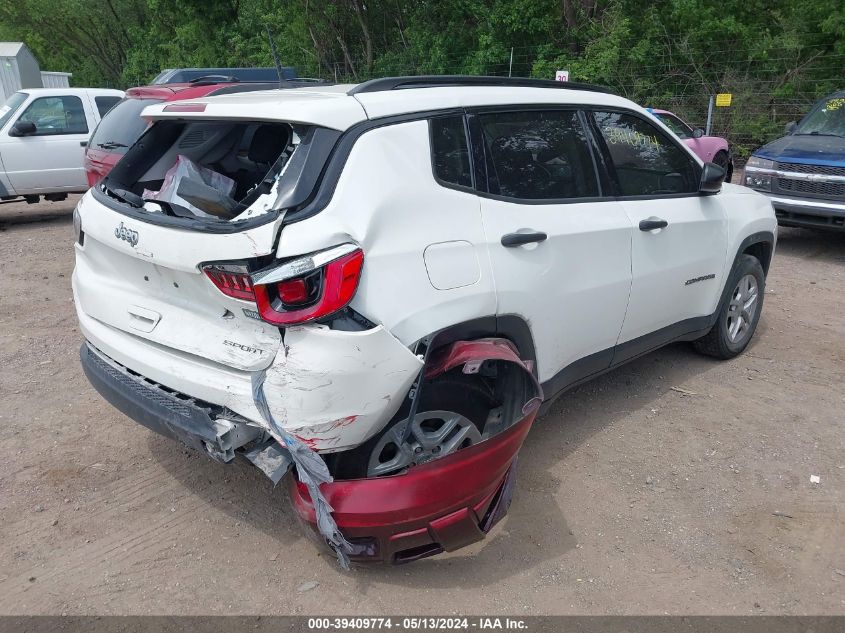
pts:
[388, 202]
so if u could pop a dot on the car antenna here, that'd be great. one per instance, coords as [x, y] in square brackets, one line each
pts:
[283, 83]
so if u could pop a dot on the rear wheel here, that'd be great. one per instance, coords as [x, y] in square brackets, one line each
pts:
[450, 416]
[739, 312]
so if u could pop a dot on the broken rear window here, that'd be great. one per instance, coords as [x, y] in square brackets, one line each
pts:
[220, 170]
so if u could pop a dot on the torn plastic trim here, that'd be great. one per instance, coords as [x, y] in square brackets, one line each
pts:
[311, 470]
[443, 504]
[472, 354]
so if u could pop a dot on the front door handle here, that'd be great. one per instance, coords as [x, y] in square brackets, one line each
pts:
[652, 224]
[518, 239]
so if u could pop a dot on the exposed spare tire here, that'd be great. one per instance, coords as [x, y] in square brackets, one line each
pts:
[451, 415]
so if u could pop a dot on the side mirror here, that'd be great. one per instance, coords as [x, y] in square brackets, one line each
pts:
[790, 128]
[712, 178]
[22, 128]
[697, 133]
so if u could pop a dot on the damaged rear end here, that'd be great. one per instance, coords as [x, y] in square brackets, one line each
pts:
[199, 327]
[438, 503]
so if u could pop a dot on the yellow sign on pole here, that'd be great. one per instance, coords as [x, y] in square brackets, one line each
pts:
[723, 100]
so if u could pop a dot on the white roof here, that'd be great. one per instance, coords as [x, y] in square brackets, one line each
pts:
[11, 49]
[332, 106]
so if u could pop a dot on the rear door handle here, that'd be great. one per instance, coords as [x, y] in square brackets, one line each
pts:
[652, 224]
[518, 239]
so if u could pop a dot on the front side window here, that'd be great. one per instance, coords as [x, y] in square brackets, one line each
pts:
[681, 129]
[56, 115]
[449, 151]
[646, 162]
[538, 155]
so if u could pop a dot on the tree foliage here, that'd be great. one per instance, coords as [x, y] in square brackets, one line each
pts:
[776, 56]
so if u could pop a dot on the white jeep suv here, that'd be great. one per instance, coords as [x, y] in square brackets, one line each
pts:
[397, 272]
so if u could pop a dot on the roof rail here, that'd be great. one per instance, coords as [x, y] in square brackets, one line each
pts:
[437, 81]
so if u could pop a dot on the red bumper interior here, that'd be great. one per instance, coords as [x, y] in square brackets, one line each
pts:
[439, 506]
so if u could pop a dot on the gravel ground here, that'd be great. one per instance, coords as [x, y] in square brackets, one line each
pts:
[676, 484]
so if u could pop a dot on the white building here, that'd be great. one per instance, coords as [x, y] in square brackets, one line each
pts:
[19, 69]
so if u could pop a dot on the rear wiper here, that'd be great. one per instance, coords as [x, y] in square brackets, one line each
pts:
[128, 197]
[820, 134]
[111, 145]
[134, 200]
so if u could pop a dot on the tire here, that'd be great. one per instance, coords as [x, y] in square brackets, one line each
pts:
[724, 161]
[454, 393]
[736, 321]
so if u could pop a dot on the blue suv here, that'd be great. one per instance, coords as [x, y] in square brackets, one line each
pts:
[803, 173]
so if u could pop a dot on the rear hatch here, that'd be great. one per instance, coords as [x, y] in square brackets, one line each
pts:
[141, 261]
[146, 280]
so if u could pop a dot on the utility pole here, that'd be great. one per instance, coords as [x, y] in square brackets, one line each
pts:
[708, 128]
[510, 66]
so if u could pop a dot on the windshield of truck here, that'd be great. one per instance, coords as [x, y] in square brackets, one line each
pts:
[12, 104]
[827, 120]
[121, 126]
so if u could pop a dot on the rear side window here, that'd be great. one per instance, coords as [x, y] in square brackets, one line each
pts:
[104, 104]
[538, 155]
[450, 152]
[646, 162]
[121, 126]
[53, 116]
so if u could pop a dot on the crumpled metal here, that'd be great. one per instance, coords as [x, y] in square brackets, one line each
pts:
[272, 459]
[310, 468]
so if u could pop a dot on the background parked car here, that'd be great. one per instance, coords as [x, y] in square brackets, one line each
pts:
[43, 135]
[710, 149]
[803, 173]
[223, 75]
[123, 125]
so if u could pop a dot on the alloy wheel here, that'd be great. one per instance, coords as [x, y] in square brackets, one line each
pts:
[432, 434]
[742, 309]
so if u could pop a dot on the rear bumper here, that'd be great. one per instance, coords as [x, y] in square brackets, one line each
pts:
[197, 424]
[439, 506]
[324, 389]
[808, 212]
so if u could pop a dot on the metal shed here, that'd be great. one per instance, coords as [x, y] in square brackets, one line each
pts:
[52, 79]
[18, 69]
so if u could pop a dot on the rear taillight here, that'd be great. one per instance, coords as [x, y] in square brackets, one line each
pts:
[232, 281]
[298, 290]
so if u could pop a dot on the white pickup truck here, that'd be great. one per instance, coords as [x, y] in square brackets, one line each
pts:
[43, 134]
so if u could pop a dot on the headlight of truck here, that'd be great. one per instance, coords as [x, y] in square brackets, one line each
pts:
[762, 182]
[755, 176]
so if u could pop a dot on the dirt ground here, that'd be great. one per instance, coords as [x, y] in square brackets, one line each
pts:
[633, 497]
